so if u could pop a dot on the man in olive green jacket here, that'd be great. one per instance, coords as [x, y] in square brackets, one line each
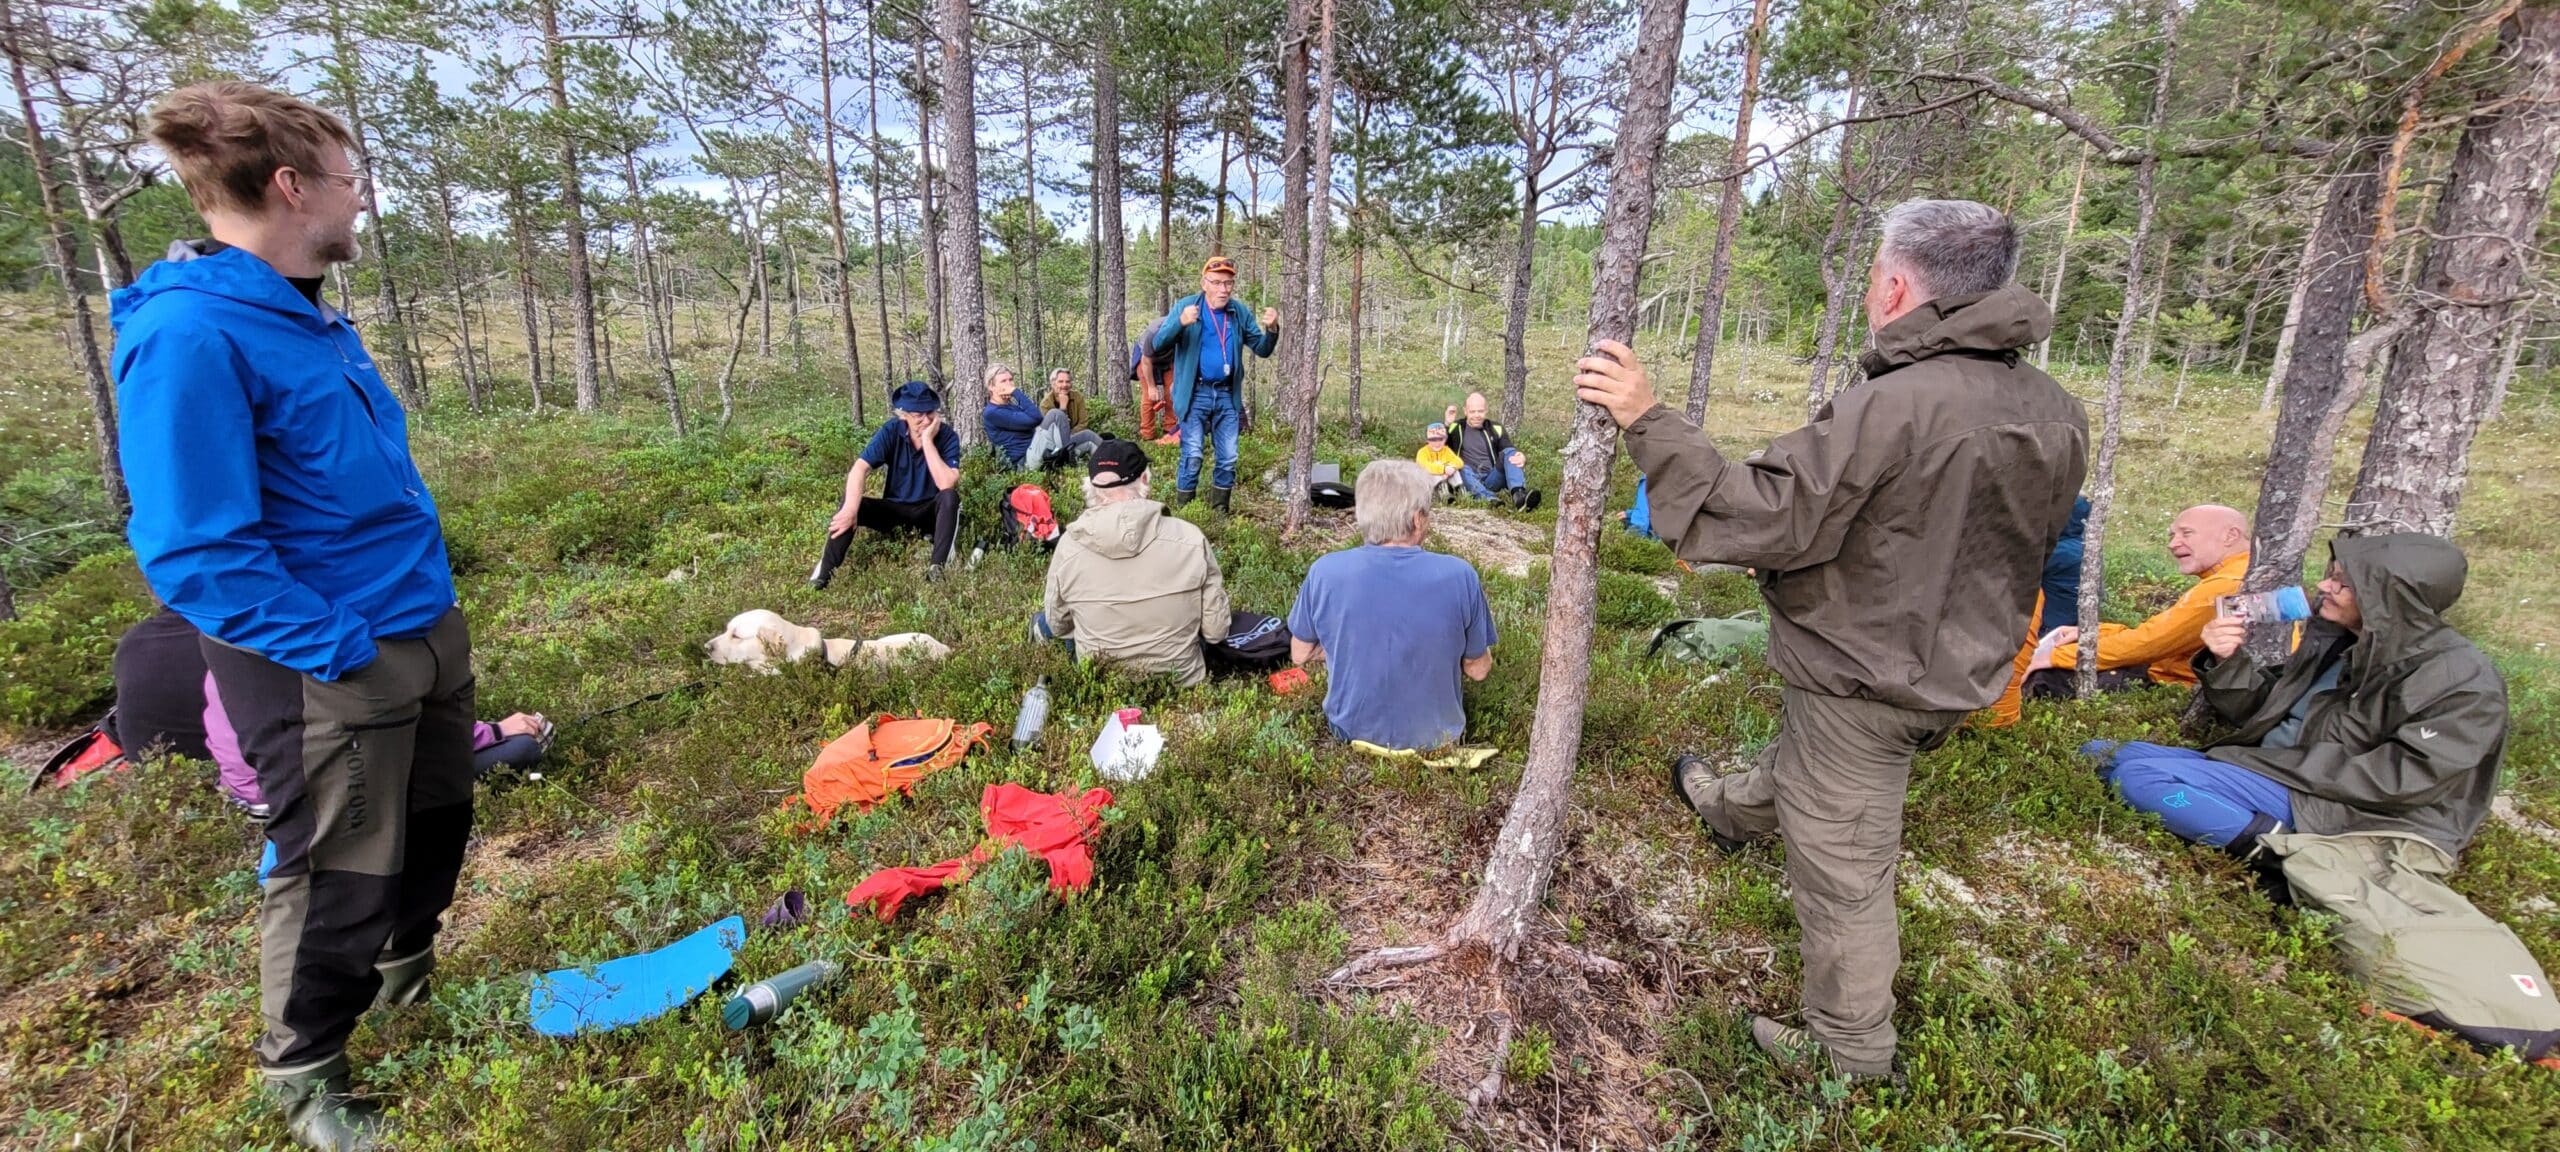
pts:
[2383, 720]
[1899, 538]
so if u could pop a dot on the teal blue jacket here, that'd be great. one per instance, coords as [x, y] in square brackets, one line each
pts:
[1185, 340]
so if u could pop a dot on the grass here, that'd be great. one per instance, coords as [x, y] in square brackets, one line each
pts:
[2071, 975]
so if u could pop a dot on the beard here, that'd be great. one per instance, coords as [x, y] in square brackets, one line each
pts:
[338, 247]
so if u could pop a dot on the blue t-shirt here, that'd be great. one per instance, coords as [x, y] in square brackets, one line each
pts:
[904, 477]
[1217, 345]
[1395, 625]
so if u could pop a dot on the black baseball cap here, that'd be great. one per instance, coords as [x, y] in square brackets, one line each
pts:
[1120, 460]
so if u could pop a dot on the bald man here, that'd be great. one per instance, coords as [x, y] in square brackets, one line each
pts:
[1490, 467]
[2211, 543]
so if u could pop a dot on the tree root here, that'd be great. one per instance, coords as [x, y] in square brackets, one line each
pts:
[1388, 958]
[1488, 1091]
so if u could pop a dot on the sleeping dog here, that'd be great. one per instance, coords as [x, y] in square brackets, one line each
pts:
[760, 639]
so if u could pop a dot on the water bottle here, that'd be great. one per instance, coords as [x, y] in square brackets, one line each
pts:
[1034, 714]
[764, 999]
[2283, 605]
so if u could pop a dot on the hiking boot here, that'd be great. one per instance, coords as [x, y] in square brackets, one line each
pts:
[321, 1114]
[404, 979]
[1535, 497]
[1182, 496]
[1218, 498]
[1802, 1053]
[1517, 498]
[933, 574]
[1688, 772]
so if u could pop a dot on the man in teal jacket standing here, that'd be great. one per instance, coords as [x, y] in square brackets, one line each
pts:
[1209, 333]
[275, 506]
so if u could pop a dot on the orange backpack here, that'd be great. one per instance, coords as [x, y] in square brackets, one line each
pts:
[882, 755]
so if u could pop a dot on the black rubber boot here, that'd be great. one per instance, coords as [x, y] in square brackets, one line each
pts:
[321, 1114]
[1218, 500]
[2266, 869]
[1182, 496]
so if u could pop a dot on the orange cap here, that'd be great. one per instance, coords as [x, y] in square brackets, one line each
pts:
[1218, 264]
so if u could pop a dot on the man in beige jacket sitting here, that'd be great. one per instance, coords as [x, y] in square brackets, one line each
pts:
[1130, 584]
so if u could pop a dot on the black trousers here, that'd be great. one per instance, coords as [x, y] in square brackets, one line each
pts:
[369, 778]
[939, 517]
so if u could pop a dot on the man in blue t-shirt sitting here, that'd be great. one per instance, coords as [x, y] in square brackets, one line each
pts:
[919, 459]
[1396, 626]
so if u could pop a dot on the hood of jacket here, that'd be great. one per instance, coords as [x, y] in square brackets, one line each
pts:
[1118, 531]
[2002, 320]
[234, 274]
[2404, 583]
[2077, 527]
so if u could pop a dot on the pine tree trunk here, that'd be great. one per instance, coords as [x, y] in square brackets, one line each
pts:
[348, 72]
[1524, 854]
[2313, 375]
[1836, 277]
[1515, 321]
[115, 264]
[1702, 355]
[1034, 357]
[582, 300]
[2102, 483]
[526, 293]
[2510, 355]
[1164, 212]
[1306, 317]
[2062, 254]
[937, 286]
[879, 192]
[658, 338]
[835, 211]
[1296, 61]
[1107, 194]
[78, 337]
[2437, 389]
[968, 299]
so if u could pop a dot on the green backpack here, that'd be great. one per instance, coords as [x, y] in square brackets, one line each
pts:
[1710, 641]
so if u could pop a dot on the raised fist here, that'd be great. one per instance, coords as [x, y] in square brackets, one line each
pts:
[1190, 315]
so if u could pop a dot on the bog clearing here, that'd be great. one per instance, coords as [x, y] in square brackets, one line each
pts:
[2072, 975]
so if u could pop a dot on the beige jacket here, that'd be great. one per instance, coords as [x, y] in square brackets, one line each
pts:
[1137, 587]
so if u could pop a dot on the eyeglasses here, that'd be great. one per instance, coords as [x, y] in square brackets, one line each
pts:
[354, 181]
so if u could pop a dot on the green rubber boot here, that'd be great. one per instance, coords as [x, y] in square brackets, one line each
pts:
[322, 1114]
[404, 979]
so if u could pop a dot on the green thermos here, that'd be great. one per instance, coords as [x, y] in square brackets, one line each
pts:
[764, 999]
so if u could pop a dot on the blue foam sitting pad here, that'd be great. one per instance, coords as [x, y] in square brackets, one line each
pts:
[632, 989]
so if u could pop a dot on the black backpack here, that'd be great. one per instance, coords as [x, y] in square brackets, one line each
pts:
[1255, 644]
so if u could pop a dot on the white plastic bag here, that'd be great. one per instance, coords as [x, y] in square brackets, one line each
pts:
[1127, 749]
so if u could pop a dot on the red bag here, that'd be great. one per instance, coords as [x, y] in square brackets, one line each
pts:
[1028, 516]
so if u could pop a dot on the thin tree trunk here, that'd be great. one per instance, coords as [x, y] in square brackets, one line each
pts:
[2062, 254]
[1226, 147]
[1164, 211]
[2249, 317]
[1034, 355]
[2510, 354]
[737, 346]
[2437, 389]
[78, 337]
[1835, 275]
[1307, 335]
[348, 71]
[658, 338]
[1702, 355]
[1515, 321]
[937, 288]
[1107, 194]
[527, 294]
[443, 201]
[1524, 853]
[879, 192]
[960, 213]
[2102, 486]
[115, 264]
[582, 301]
[2328, 291]
[835, 211]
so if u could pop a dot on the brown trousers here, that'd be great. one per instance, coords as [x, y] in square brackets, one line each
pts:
[1833, 785]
